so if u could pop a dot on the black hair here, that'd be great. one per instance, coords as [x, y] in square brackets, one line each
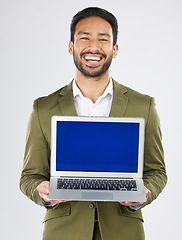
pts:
[95, 12]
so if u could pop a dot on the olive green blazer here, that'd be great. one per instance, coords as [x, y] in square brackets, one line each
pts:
[78, 217]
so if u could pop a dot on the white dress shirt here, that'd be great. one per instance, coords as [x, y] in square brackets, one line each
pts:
[85, 107]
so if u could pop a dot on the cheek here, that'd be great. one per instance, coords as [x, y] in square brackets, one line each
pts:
[81, 46]
[77, 50]
[108, 49]
[110, 53]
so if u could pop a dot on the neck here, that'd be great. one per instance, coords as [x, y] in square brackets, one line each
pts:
[92, 88]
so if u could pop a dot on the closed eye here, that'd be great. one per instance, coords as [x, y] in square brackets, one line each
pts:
[103, 40]
[84, 38]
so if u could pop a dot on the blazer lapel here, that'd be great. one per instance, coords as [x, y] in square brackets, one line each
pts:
[66, 101]
[119, 103]
[120, 100]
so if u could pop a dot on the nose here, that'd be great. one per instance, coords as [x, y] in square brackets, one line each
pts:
[94, 45]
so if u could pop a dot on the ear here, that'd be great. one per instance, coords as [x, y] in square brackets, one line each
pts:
[115, 50]
[70, 47]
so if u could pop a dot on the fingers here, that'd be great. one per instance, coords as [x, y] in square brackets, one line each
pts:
[133, 204]
[43, 190]
[54, 201]
[147, 192]
[128, 204]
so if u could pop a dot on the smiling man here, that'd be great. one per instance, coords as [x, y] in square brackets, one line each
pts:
[93, 92]
[93, 49]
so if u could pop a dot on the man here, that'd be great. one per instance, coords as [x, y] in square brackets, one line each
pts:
[92, 93]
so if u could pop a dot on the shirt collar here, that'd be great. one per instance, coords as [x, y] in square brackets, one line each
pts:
[108, 90]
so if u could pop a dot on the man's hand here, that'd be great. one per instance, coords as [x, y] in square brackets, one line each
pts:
[128, 204]
[43, 190]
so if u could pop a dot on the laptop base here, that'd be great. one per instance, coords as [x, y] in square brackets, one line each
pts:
[97, 195]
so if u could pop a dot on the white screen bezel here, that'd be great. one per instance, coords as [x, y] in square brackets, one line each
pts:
[55, 173]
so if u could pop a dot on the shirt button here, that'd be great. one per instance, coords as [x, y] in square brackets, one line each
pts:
[91, 205]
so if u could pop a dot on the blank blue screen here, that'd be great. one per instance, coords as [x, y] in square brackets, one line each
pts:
[97, 146]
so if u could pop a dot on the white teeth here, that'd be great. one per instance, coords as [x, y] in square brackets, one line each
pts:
[92, 58]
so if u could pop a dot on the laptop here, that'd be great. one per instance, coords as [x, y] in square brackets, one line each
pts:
[97, 159]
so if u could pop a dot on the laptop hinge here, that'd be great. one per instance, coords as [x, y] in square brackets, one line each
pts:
[96, 177]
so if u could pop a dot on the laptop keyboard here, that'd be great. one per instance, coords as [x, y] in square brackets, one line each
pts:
[97, 184]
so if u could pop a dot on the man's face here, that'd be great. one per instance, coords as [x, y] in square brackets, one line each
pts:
[93, 49]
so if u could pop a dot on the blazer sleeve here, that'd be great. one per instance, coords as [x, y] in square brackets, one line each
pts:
[36, 158]
[155, 177]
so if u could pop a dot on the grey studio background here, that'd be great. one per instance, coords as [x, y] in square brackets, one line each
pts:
[34, 62]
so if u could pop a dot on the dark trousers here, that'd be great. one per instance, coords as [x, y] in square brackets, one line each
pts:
[96, 233]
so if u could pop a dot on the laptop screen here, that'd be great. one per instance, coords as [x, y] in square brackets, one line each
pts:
[97, 146]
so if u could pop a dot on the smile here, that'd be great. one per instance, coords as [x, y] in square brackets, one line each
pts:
[93, 59]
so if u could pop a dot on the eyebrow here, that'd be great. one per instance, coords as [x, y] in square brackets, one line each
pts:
[81, 33]
[100, 34]
[105, 34]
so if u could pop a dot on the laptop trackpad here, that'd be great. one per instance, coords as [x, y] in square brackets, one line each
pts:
[97, 195]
